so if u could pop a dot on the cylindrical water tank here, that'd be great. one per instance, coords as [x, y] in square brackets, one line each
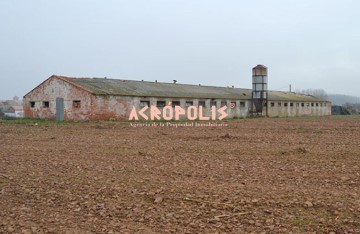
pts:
[259, 81]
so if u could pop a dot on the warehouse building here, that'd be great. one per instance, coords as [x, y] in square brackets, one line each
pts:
[77, 99]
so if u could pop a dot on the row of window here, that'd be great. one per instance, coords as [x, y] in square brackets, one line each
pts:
[160, 104]
[233, 104]
[143, 103]
[46, 104]
[285, 104]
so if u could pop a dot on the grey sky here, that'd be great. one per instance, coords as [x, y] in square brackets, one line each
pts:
[307, 43]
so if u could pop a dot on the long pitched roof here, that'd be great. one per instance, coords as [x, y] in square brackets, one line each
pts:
[104, 86]
[118, 87]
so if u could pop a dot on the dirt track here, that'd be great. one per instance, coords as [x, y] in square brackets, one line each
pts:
[255, 175]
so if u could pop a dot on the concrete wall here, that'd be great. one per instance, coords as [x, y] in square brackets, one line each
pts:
[112, 107]
[119, 107]
[291, 109]
[236, 108]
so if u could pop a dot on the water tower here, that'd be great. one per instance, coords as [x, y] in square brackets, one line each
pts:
[259, 94]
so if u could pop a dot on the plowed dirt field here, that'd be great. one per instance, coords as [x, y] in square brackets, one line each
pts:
[253, 175]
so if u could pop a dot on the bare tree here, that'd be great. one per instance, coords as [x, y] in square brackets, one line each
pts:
[353, 108]
[320, 93]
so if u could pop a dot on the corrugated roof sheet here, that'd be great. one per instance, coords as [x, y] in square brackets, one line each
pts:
[116, 87]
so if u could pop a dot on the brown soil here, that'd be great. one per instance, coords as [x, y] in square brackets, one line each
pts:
[255, 175]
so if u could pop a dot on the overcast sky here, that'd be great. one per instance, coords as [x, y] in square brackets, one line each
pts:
[308, 43]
